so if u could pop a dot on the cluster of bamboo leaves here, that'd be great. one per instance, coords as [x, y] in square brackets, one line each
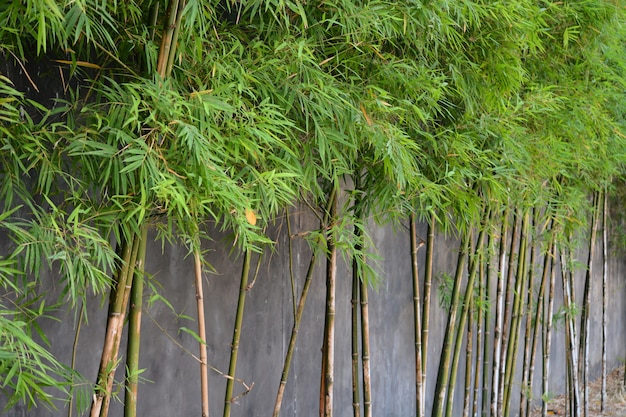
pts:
[454, 112]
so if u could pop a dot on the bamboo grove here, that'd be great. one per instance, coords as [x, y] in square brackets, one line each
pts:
[498, 123]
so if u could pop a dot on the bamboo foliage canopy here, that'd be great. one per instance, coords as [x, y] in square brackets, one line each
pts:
[439, 107]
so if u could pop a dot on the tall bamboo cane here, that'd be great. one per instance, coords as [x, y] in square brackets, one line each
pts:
[480, 329]
[417, 320]
[134, 329]
[443, 375]
[328, 349]
[234, 347]
[518, 300]
[605, 272]
[487, 359]
[506, 316]
[298, 319]
[497, 335]
[570, 335]
[548, 327]
[586, 305]
[204, 377]
[531, 317]
[466, 306]
[538, 319]
[365, 349]
[115, 321]
[356, 402]
[428, 279]
[469, 351]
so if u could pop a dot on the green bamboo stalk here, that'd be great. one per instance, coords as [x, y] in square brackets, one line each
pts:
[356, 402]
[294, 334]
[486, 362]
[234, 348]
[518, 300]
[548, 327]
[586, 305]
[81, 314]
[134, 329]
[365, 349]
[417, 322]
[570, 335]
[204, 372]
[428, 279]
[605, 271]
[104, 412]
[495, 406]
[469, 351]
[297, 320]
[538, 319]
[166, 40]
[443, 375]
[480, 329]
[465, 309]
[506, 315]
[115, 316]
[526, 391]
[172, 50]
[328, 349]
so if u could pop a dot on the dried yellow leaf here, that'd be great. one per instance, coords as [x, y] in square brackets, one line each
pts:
[250, 216]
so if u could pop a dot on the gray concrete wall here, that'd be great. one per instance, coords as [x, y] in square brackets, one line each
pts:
[171, 386]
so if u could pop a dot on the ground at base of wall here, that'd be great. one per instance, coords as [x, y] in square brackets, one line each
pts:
[615, 405]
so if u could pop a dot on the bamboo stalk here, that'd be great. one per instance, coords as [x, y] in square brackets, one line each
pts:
[134, 329]
[234, 348]
[115, 316]
[204, 377]
[172, 50]
[506, 316]
[296, 323]
[538, 318]
[443, 375]
[298, 314]
[365, 350]
[586, 305]
[486, 383]
[428, 279]
[526, 391]
[104, 412]
[466, 306]
[294, 334]
[467, 393]
[520, 283]
[356, 402]
[166, 40]
[328, 350]
[81, 314]
[497, 335]
[417, 321]
[605, 271]
[570, 335]
[480, 329]
[548, 328]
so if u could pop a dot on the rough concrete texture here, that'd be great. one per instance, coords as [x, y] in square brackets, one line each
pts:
[171, 376]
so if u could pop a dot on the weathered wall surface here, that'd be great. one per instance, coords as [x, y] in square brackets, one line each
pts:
[171, 386]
